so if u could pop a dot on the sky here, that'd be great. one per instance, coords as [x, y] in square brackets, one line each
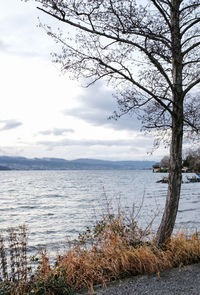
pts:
[43, 113]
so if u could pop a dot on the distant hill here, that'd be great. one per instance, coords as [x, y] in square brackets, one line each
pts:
[4, 168]
[22, 163]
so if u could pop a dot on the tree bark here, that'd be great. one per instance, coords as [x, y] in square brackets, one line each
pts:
[175, 171]
[174, 187]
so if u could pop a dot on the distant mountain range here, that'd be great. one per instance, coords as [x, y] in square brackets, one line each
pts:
[22, 163]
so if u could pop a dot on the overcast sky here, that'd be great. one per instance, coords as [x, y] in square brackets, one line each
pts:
[45, 114]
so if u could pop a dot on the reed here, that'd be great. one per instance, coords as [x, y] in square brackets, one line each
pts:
[14, 266]
[4, 265]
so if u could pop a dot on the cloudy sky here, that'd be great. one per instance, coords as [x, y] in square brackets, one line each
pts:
[45, 114]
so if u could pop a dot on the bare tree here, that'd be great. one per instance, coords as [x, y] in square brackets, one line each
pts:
[165, 162]
[149, 50]
[192, 160]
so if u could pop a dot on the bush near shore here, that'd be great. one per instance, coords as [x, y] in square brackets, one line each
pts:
[114, 248]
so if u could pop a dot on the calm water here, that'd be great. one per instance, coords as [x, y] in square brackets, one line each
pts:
[60, 204]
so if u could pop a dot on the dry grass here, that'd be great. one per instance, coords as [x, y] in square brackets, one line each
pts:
[116, 250]
[111, 257]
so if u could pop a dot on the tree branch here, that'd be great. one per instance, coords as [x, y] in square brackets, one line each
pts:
[196, 21]
[190, 38]
[191, 62]
[191, 125]
[103, 34]
[191, 48]
[157, 126]
[191, 86]
[161, 10]
[135, 83]
[189, 6]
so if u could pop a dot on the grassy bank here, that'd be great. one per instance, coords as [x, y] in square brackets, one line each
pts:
[114, 248]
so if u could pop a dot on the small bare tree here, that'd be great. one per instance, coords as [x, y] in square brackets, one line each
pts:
[192, 160]
[150, 51]
[165, 162]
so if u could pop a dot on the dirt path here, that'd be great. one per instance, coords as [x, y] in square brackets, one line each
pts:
[179, 281]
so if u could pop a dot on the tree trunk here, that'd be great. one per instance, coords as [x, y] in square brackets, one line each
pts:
[175, 172]
[175, 178]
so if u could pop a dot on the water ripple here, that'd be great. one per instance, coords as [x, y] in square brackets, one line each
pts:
[60, 204]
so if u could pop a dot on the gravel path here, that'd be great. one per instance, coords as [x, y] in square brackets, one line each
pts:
[183, 281]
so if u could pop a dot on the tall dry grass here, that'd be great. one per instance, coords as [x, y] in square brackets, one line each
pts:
[112, 249]
[117, 250]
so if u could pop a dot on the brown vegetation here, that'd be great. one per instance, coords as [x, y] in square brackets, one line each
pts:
[112, 259]
[111, 250]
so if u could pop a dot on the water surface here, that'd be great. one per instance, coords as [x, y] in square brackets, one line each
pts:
[60, 204]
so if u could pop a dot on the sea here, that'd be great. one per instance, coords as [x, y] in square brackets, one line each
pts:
[58, 205]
